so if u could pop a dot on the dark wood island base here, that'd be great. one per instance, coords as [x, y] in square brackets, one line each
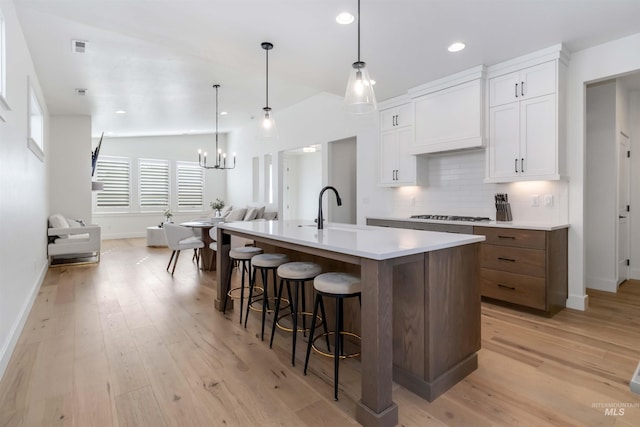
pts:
[419, 320]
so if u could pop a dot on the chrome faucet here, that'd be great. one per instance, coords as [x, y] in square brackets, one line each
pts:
[320, 219]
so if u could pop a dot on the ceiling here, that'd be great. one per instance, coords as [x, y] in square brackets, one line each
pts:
[158, 59]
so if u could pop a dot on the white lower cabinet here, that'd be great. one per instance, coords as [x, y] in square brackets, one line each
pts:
[523, 140]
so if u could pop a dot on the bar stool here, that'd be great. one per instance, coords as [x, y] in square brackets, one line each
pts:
[264, 263]
[338, 286]
[243, 255]
[299, 273]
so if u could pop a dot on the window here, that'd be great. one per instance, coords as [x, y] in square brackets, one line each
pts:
[115, 173]
[153, 184]
[190, 185]
[35, 123]
[3, 64]
[268, 178]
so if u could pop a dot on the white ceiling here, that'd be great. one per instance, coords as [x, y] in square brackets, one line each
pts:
[157, 59]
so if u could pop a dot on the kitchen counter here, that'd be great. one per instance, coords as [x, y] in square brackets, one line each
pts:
[362, 241]
[525, 225]
[419, 320]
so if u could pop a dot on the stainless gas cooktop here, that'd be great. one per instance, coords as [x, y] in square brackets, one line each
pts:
[452, 218]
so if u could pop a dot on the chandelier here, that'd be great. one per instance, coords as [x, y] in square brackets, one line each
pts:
[220, 157]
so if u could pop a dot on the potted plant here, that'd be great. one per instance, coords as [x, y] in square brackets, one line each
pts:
[167, 215]
[216, 206]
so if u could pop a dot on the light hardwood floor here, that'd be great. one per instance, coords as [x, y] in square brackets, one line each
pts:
[123, 343]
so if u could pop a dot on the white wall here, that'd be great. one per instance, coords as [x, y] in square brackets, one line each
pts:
[178, 147]
[310, 176]
[317, 120]
[23, 194]
[600, 184]
[590, 65]
[634, 217]
[343, 175]
[70, 166]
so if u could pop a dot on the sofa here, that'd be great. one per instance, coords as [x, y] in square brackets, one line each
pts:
[250, 213]
[72, 240]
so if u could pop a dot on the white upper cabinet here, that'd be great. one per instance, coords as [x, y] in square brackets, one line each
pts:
[449, 113]
[528, 83]
[397, 117]
[398, 167]
[526, 138]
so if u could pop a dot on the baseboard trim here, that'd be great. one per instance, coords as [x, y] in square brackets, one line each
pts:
[578, 302]
[16, 329]
[600, 284]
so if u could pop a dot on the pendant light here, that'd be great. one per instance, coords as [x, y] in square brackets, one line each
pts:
[267, 126]
[220, 157]
[359, 97]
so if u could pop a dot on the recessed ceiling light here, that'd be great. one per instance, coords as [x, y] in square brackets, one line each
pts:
[456, 47]
[121, 112]
[345, 18]
[223, 113]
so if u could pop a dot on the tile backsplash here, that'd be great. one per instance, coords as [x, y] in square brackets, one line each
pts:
[456, 187]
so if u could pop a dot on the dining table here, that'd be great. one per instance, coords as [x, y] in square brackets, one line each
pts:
[204, 226]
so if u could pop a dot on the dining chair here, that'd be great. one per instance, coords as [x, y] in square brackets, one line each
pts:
[180, 238]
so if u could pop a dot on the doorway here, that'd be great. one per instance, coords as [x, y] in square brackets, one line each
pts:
[624, 156]
[301, 182]
[343, 176]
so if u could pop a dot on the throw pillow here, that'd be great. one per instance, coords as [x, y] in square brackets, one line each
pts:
[236, 215]
[270, 215]
[260, 213]
[226, 210]
[251, 214]
[58, 221]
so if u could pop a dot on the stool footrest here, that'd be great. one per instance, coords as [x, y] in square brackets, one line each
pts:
[302, 313]
[331, 355]
[237, 290]
[269, 310]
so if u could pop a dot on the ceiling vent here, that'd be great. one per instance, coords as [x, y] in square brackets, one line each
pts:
[81, 92]
[79, 46]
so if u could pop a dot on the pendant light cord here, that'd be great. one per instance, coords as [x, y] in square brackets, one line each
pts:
[216, 120]
[358, 30]
[267, 73]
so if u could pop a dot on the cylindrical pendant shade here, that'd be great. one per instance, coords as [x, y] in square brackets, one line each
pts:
[359, 97]
[267, 126]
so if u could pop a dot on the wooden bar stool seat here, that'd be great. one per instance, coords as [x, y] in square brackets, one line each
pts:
[338, 286]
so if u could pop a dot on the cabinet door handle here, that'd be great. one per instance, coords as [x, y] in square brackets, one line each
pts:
[396, 174]
[511, 288]
[397, 124]
[522, 165]
[393, 120]
[506, 259]
[507, 237]
[516, 90]
[516, 168]
[522, 88]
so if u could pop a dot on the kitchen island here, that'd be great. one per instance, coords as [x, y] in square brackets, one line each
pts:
[420, 314]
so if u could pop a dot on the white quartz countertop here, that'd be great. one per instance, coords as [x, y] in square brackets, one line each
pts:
[528, 225]
[377, 243]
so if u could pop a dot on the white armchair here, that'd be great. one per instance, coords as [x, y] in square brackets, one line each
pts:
[72, 242]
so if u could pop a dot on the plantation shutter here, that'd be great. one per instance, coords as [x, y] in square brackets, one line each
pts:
[115, 173]
[153, 183]
[190, 185]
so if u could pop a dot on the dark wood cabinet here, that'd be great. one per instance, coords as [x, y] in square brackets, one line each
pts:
[524, 267]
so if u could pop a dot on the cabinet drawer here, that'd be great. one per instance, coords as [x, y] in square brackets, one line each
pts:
[515, 288]
[515, 260]
[534, 239]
